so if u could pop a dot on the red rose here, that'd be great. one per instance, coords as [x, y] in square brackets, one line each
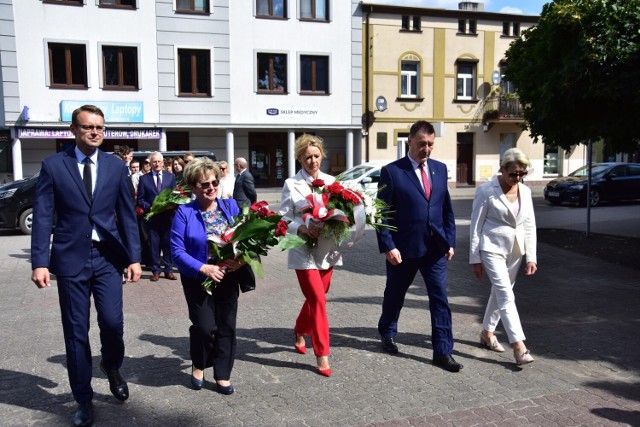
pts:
[281, 229]
[350, 196]
[258, 205]
[317, 183]
[264, 212]
[335, 188]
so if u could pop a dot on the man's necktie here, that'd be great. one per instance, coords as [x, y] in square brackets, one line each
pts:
[86, 178]
[425, 181]
[159, 182]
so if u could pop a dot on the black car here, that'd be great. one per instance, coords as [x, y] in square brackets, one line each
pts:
[16, 204]
[609, 181]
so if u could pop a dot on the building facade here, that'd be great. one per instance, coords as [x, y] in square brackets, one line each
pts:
[236, 78]
[447, 67]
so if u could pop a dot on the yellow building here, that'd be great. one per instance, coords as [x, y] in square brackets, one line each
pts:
[447, 66]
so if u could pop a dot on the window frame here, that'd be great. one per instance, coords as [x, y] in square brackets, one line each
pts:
[117, 5]
[314, 72]
[313, 8]
[68, 65]
[406, 75]
[65, 2]
[468, 27]
[192, 9]
[271, 73]
[194, 72]
[472, 78]
[270, 7]
[411, 23]
[121, 67]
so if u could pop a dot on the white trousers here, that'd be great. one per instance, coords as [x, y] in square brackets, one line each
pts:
[502, 271]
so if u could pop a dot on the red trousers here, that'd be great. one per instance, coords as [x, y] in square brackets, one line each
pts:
[313, 319]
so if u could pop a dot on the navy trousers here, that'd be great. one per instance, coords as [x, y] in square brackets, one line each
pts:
[433, 267]
[159, 232]
[103, 280]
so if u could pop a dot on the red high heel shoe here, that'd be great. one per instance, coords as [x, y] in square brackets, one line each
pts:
[302, 349]
[325, 372]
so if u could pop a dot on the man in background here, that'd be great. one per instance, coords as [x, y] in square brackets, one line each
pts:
[244, 189]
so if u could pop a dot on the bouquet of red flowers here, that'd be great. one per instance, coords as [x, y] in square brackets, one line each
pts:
[340, 208]
[255, 231]
[169, 199]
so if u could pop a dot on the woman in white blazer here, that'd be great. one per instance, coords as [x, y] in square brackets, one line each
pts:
[313, 266]
[503, 230]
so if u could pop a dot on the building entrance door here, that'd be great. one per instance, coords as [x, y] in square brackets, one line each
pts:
[267, 158]
[464, 164]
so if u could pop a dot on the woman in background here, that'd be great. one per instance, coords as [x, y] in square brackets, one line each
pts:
[503, 230]
[227, 181]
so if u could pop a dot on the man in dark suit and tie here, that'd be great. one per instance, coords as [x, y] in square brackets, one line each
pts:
[244, 190]
[94, 240]
[415, 189]
[159, 225]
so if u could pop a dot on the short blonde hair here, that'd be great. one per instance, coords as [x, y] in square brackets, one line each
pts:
[198, 168]
[514, 155]
[305, 141]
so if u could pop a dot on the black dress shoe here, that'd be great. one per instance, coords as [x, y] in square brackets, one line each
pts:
[447, 363]
[84, 415]
[117, 385]
[226, 390]
[389, 345]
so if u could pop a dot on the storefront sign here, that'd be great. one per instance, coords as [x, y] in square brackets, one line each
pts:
[48, 133]
[114, 112]
[291, 112]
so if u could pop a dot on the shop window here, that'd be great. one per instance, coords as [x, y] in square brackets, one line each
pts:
[551, 158]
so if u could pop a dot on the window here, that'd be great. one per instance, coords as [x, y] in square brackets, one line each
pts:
[192, 6]
[317, 10]
[506, 29]
[69, 2]
[409, 72]
[467, 26]
[123, 4]
[505, 85]
[68, 65]
[551, 157]
[314, 74]
[272, 73]
[271, 8]
[120, 67]
[194, 73]
[465, 81]
[411, 23]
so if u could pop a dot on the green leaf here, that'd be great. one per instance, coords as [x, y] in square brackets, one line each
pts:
[290, 241]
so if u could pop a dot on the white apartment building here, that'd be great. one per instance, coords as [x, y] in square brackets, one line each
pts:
[239, 78]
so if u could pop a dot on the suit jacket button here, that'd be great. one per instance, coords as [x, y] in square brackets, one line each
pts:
[87, 236]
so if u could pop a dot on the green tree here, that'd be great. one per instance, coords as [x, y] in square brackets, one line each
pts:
[577, 73]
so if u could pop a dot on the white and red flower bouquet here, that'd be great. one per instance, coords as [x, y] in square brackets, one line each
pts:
[342, 210]
[255, 231]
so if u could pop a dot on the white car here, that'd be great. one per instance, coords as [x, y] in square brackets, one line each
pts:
[365, 175]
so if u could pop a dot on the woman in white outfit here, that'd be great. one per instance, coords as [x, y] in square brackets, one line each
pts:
[227, 181]
[503, 230]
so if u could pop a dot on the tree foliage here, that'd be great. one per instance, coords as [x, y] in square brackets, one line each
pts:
[578, 73]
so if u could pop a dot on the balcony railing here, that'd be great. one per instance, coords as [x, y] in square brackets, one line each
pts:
[502, 107]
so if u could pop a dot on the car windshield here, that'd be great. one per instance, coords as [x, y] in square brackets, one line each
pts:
[596, 171]
[354, 173]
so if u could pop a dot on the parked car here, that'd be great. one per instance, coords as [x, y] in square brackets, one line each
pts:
[365, 175]
[609, 181]
[16, 204]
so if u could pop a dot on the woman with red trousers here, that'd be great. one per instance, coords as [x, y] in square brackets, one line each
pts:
[313, 265]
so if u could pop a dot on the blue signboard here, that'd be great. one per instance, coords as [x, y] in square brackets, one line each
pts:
[114, 112]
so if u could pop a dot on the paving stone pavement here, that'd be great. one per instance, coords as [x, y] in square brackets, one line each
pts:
[580, 315]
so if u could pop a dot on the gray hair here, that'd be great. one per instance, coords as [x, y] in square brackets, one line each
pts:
[514, 155]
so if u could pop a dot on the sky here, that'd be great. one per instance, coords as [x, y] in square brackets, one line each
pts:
[520, 7]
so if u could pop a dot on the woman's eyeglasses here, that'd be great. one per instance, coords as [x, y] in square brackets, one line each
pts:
[223, 169]
[207, 184]
[518, 174]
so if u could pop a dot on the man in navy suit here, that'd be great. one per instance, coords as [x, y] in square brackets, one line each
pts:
[95, 238]
[159, 225]
[244, 189]
[415, 189]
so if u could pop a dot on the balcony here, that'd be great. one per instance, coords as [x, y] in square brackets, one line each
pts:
[497, 108]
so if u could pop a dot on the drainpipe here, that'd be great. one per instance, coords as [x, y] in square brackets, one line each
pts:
[367, 113]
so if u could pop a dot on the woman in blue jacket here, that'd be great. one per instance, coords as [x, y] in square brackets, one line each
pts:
[213, 331]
